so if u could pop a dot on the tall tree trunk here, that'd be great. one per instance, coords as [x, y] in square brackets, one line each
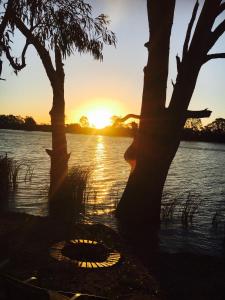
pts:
[58, 154]
[141, 199]
[160, 128]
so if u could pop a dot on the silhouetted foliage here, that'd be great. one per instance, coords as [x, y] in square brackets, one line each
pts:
[194, 124]
[7, 29]
[84, 122]
[11, 122]
[29, 123]
[217, 126]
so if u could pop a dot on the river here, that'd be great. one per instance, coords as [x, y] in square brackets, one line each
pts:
[197, 172]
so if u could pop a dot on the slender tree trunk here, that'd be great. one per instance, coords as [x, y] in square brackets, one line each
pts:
[58, 155]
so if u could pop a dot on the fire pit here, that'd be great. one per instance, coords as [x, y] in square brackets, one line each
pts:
[85, 253]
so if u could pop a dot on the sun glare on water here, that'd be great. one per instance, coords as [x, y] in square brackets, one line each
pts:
[99, 118]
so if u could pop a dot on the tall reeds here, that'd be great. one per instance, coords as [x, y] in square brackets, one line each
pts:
[70, 201]
[190, 209]
[9, 176]
[168, 208]
[185, 207]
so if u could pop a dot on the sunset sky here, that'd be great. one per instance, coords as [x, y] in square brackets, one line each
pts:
[114, 85]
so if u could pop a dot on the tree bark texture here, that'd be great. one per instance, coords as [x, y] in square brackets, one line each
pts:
[58, 154]
[160, 127]
[141, 199]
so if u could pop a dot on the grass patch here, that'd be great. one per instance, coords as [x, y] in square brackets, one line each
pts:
[70, 200]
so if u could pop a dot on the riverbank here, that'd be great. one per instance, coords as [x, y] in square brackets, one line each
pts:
[26, 241]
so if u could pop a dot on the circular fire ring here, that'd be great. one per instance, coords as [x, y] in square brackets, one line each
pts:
[85, 253]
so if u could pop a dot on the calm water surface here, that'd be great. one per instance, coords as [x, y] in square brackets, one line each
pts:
[198, 169]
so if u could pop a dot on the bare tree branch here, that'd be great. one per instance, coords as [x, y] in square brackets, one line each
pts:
[129, 116]
[13, 61]
[198, 113]
[221, 9]
[189, 114]
[214, 56]
[216, 34]
[189, 29]
[44, 54]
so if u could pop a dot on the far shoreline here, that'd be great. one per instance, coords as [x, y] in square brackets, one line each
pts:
[187, 135]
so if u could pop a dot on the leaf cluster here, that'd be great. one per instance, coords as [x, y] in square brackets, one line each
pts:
[66, 23]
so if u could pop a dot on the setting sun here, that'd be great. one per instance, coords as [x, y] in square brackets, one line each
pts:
[99, 117]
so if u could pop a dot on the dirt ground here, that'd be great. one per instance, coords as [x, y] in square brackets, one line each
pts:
[25, 240]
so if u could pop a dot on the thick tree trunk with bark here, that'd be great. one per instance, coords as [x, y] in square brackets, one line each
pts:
[141, 199]
[160, 127]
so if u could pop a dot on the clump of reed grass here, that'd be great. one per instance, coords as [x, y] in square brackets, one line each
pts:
[69, 201]
[167, 209]
[115, 194]
[77, 187]
[190, 209]
[9, 175]
[218, 221]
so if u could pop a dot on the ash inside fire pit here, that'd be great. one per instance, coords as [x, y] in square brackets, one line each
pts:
[85, 252]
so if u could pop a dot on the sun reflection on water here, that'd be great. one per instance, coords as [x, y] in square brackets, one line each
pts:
[99, 172]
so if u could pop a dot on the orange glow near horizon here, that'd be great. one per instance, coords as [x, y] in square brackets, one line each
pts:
[98, 111]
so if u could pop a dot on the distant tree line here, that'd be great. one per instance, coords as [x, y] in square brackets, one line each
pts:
[212, 132]
[193, 129]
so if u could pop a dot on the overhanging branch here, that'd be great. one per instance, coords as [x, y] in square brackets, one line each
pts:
[189, 29]
[214, 56]
[129, 116]
[44, 54]
[13, 62]
[198, 114]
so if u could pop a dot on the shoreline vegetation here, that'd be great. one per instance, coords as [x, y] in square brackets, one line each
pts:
[193, 130]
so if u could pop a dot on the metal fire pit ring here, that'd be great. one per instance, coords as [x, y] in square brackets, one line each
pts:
[56, 252]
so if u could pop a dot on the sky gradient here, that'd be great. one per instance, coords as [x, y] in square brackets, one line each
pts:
[116, 83]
